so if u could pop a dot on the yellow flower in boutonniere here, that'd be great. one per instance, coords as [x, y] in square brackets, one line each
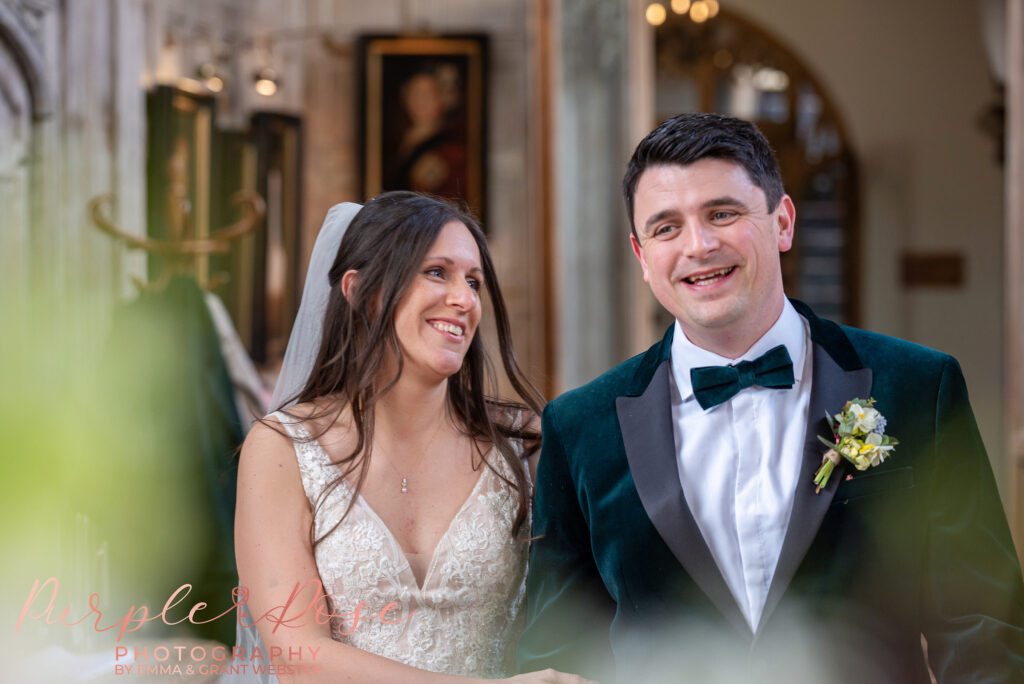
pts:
[858, 436]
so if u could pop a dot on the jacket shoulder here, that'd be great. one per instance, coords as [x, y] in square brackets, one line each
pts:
[892, 355]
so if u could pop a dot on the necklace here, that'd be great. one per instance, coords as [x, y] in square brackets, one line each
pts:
[404, 489]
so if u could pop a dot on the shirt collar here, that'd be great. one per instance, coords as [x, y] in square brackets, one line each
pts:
[789, 330]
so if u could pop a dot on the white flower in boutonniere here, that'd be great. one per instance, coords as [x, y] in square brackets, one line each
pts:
[858, 436]
[865, 418]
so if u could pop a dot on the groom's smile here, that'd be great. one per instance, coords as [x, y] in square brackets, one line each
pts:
[704, 280]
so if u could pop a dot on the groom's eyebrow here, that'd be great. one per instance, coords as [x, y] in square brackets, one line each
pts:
[724, 201]
[660, 216]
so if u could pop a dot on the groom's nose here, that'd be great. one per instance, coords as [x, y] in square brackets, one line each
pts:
[699, 240]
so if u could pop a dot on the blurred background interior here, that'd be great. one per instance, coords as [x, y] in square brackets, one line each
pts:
[165, 166]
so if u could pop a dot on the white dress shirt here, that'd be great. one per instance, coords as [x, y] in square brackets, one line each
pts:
[739, 461]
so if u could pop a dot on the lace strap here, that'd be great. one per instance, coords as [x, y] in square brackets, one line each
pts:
[315, 465]
[292, 425]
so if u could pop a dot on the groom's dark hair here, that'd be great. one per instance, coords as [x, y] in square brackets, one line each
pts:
[688, 138]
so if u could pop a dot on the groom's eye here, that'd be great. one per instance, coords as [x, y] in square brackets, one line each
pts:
[723, 215]
[664, 231]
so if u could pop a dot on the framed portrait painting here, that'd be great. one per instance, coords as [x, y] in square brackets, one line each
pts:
[424, 115]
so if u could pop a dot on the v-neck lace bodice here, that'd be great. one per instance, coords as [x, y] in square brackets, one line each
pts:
[466, 617]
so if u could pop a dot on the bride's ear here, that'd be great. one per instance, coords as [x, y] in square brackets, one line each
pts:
[348, 284]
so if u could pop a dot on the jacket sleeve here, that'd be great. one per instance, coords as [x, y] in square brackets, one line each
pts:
[974, 600]
[569, 610]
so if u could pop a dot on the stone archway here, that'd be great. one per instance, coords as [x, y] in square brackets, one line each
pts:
[25, 99]
[20, 37]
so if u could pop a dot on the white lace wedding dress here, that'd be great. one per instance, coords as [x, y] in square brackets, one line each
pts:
[466, 617]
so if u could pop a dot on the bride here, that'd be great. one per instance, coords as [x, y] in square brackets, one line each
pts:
[382, 517]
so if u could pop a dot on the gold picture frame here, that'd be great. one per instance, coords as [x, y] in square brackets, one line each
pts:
[424, 116]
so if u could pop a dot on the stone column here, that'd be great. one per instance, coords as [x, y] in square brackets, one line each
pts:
[591, 146]
[1015, 264]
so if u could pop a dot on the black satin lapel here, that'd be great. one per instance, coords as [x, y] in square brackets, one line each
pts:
[831, 388]
[646, 425]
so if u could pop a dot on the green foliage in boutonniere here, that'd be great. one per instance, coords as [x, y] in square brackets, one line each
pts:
[858, 436]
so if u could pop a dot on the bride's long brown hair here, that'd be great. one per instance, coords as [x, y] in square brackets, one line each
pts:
[386, 244]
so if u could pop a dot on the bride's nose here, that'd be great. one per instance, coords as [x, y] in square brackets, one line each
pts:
[461, 295]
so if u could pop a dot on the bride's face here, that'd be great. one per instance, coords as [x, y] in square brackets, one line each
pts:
[438, 315]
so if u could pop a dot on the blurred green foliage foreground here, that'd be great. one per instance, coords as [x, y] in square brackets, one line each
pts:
[94, 488]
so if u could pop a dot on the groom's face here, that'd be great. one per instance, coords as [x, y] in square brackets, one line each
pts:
[709, 248]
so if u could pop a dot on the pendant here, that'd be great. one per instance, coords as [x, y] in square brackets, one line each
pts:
[405, 485]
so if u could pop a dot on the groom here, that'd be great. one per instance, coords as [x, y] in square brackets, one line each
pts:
[679, 532]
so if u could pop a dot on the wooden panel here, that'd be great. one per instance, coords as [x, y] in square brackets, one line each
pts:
[935, 269]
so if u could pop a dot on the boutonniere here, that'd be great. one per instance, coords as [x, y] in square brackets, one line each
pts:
[858, 433]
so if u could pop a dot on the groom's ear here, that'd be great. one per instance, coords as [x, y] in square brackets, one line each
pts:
[785, 220]
[639, 252]
[348, 284]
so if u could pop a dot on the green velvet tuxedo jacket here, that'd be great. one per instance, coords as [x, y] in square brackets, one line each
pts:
[885, 573]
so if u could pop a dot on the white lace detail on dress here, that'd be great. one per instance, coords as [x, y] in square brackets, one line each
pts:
[467, 617]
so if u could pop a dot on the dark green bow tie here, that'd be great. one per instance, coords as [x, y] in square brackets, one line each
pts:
[714, 384]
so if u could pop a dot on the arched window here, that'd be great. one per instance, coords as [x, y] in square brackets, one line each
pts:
[729, 66]
[24, 99]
